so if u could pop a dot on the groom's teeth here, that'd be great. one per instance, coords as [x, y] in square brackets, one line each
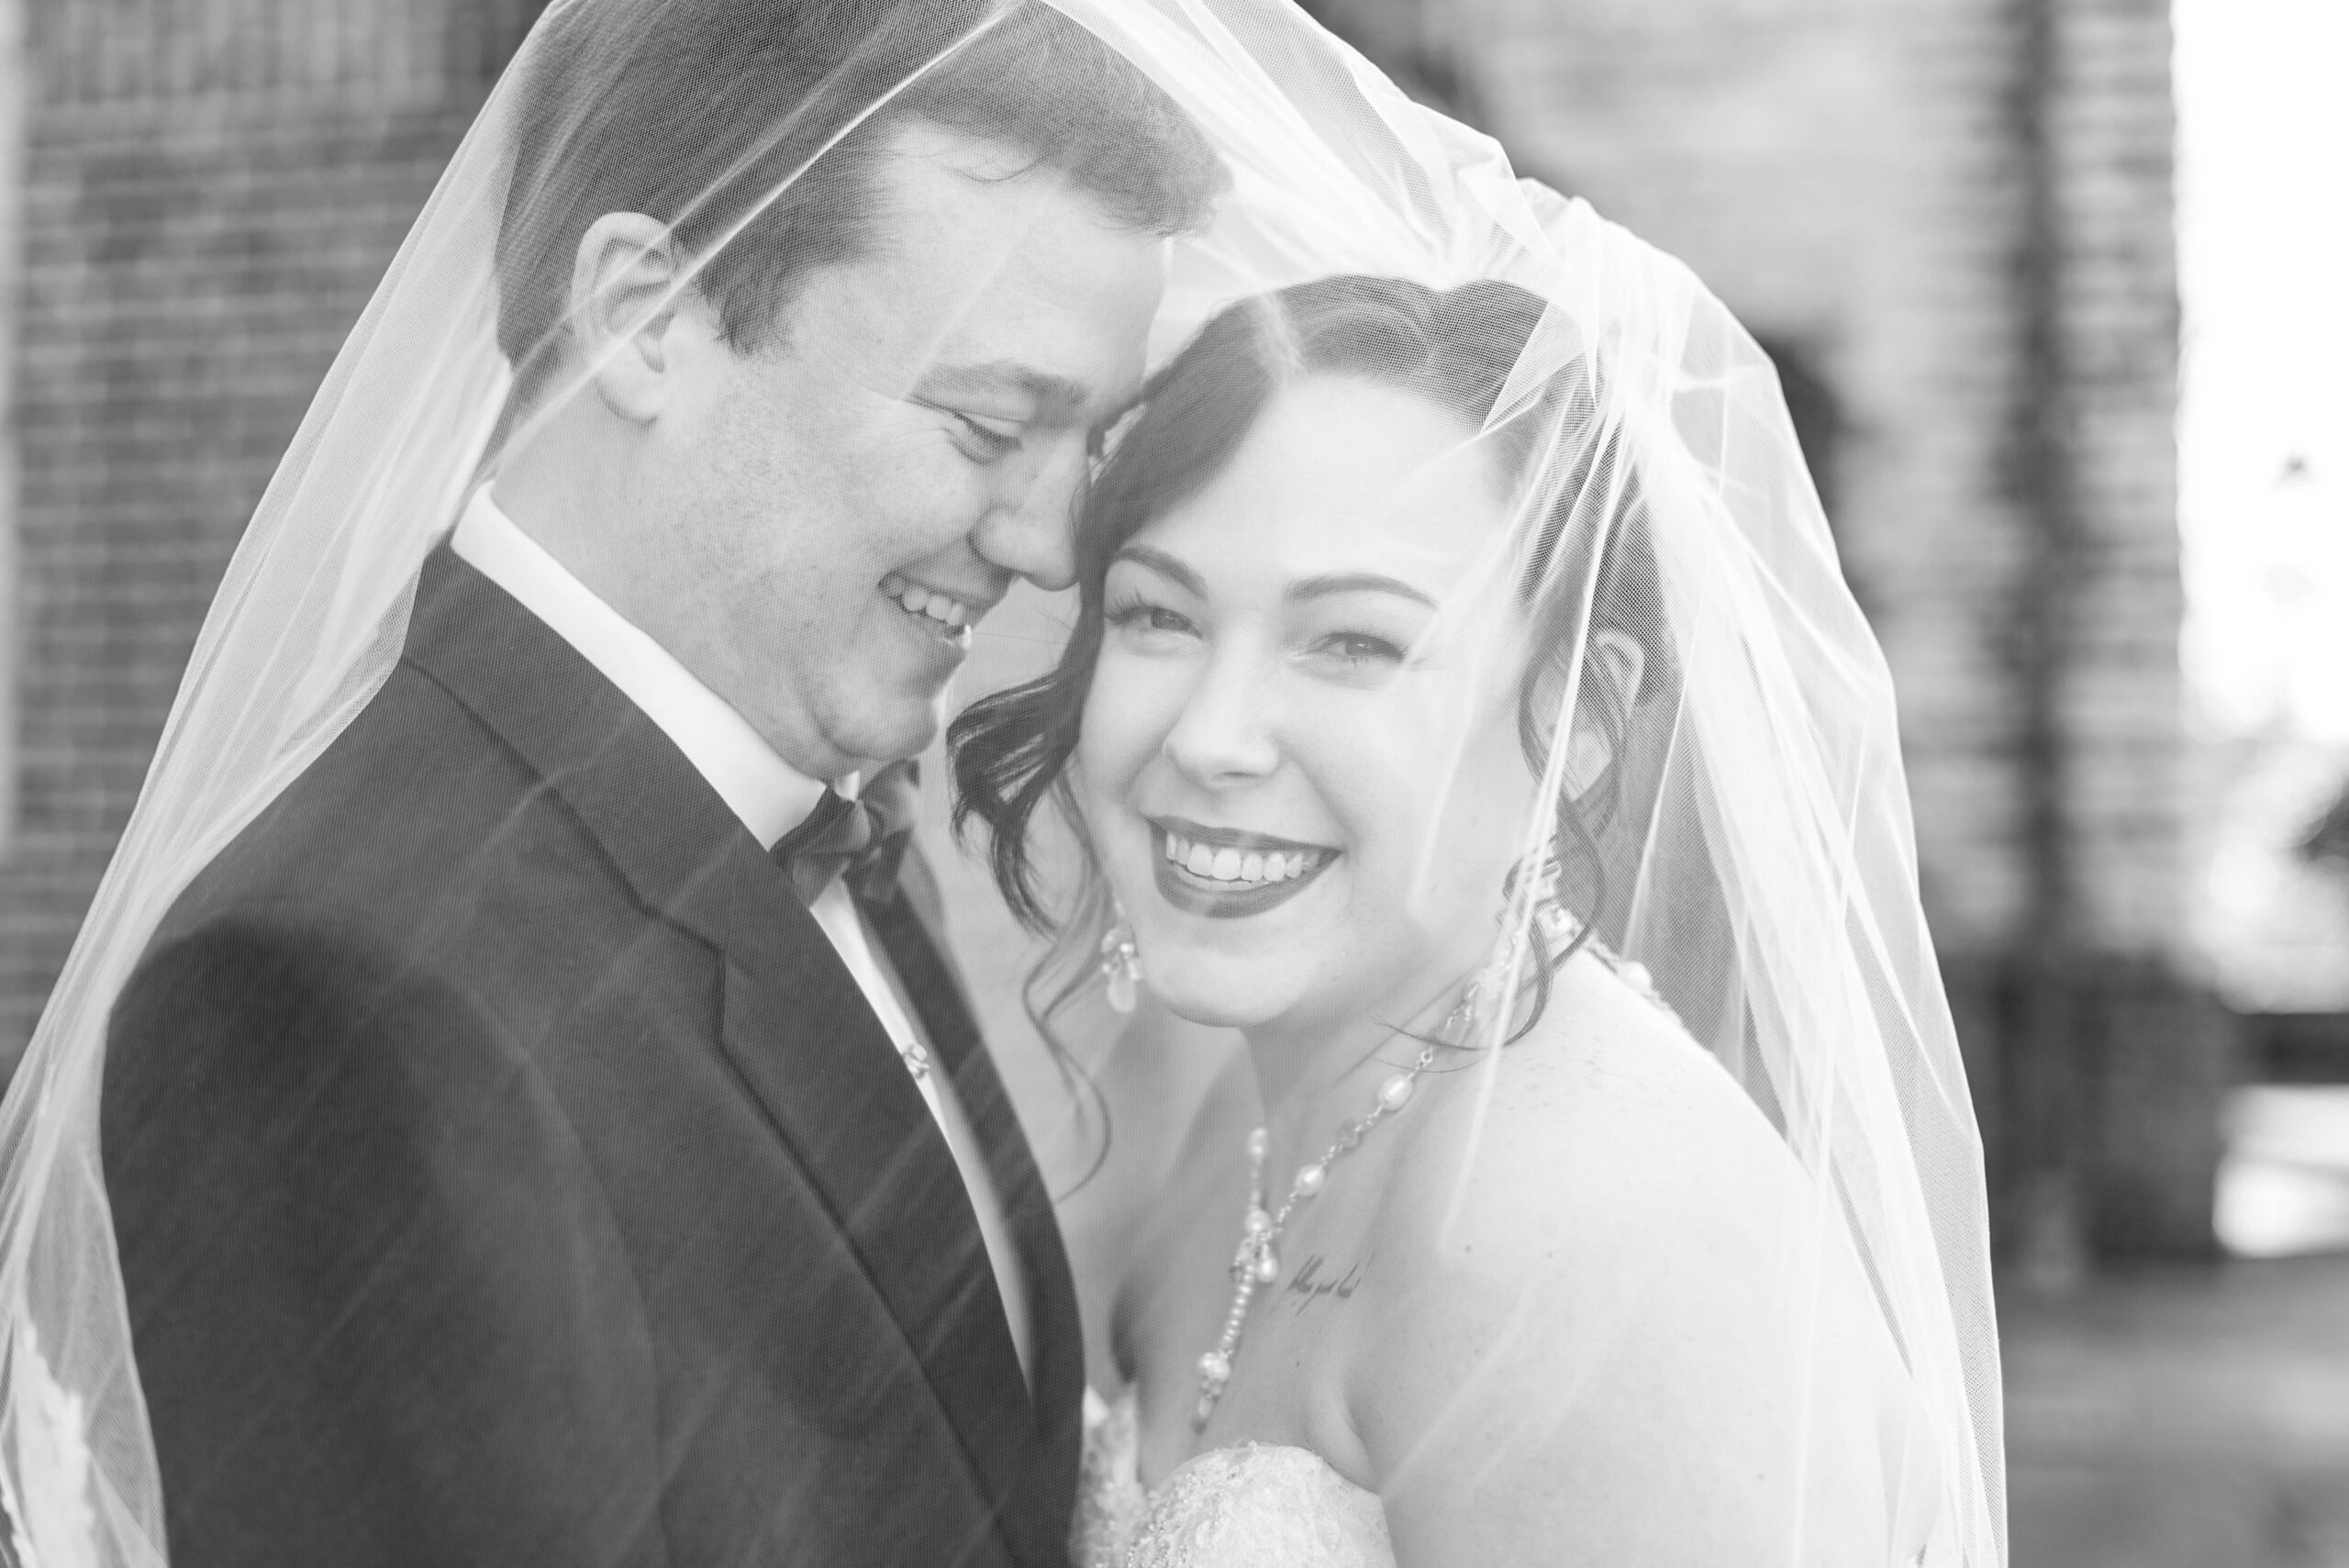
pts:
[947, 611]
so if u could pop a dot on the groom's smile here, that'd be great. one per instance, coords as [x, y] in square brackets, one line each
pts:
[943, 614]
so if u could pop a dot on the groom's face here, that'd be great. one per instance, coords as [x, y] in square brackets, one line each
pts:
[860, 491]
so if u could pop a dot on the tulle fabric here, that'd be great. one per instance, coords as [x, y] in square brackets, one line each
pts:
[1765, 876]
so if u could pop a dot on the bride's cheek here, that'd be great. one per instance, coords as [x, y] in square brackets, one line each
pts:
[1124, 723]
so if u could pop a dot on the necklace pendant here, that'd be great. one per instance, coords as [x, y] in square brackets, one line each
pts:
[1215, 1370]
[917, 1056]
[1257, 1264]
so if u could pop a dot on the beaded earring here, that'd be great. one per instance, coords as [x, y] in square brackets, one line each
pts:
[1121, 963]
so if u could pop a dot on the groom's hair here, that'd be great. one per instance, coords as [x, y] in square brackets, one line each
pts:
[752, 128]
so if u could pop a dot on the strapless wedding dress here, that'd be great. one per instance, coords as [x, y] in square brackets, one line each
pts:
[1255, 1506]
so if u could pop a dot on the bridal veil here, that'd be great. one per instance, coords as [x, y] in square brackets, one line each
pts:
[1751, 847]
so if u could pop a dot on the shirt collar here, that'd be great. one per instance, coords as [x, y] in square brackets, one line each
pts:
[766, 792]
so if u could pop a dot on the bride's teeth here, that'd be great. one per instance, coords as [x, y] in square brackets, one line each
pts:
[1256, 867]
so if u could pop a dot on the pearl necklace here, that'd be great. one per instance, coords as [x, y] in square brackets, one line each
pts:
[1257, 1263]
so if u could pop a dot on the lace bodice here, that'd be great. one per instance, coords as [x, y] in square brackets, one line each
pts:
[1254, 1505]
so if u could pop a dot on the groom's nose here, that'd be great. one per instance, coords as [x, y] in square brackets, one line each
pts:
[1032, 529]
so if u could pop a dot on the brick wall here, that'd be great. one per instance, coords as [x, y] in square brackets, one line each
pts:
[2123, 695]
[210, 190]
[1958, 212]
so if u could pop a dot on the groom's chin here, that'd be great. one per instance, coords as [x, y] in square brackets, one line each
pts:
[897, 725]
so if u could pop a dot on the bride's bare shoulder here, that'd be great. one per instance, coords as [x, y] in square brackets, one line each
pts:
[1600, 1246]
[1605, 1121]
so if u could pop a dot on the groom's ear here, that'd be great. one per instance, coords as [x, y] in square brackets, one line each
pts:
[630, 297]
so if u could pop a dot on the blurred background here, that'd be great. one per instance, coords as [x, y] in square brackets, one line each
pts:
[2059, 294]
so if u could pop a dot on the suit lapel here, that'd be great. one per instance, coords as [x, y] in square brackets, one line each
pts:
[805, 1041]
[797, 1031]
[930, 981]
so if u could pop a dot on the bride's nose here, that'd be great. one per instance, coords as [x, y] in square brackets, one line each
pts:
[1225, 731]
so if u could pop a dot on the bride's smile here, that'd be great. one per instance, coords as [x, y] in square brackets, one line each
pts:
[1225, 873]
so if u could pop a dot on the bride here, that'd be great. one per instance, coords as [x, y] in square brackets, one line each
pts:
[1522, 1273]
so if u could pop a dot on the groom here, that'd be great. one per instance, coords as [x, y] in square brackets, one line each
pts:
[552, 1132]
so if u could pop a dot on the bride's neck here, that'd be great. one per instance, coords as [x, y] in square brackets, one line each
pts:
[1317, 1071]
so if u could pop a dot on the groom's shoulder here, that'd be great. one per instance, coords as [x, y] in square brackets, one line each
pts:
[419, 831]
[414, 787]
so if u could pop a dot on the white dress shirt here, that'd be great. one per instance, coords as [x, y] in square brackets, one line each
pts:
[771, 798]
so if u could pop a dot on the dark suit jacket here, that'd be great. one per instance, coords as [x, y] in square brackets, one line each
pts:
[508, 1172]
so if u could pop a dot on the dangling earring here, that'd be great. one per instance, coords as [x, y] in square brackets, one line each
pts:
[1548, 927]
[1121, 963]
[1549, 914]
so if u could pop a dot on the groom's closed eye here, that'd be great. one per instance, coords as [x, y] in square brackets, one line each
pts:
[983, 439]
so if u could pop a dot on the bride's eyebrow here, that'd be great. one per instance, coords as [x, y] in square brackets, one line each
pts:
[1357, 583]
[1166, 565]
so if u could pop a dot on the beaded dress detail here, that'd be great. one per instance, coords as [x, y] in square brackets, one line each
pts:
[1253, 1506]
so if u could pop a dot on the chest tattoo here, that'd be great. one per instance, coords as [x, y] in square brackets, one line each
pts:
[1314, 1279]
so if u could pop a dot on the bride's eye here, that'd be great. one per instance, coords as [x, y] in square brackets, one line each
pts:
[1358, 651]
[1142, 619]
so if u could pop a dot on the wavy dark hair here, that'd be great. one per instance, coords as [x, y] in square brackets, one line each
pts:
[1457, 348]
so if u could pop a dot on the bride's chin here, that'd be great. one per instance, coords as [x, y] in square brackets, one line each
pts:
[1209, 1007]
[1219, 996]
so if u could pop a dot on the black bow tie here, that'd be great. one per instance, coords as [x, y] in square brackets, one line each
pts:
[861, 839]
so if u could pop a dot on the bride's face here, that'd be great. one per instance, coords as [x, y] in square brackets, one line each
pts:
[1299, 761]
